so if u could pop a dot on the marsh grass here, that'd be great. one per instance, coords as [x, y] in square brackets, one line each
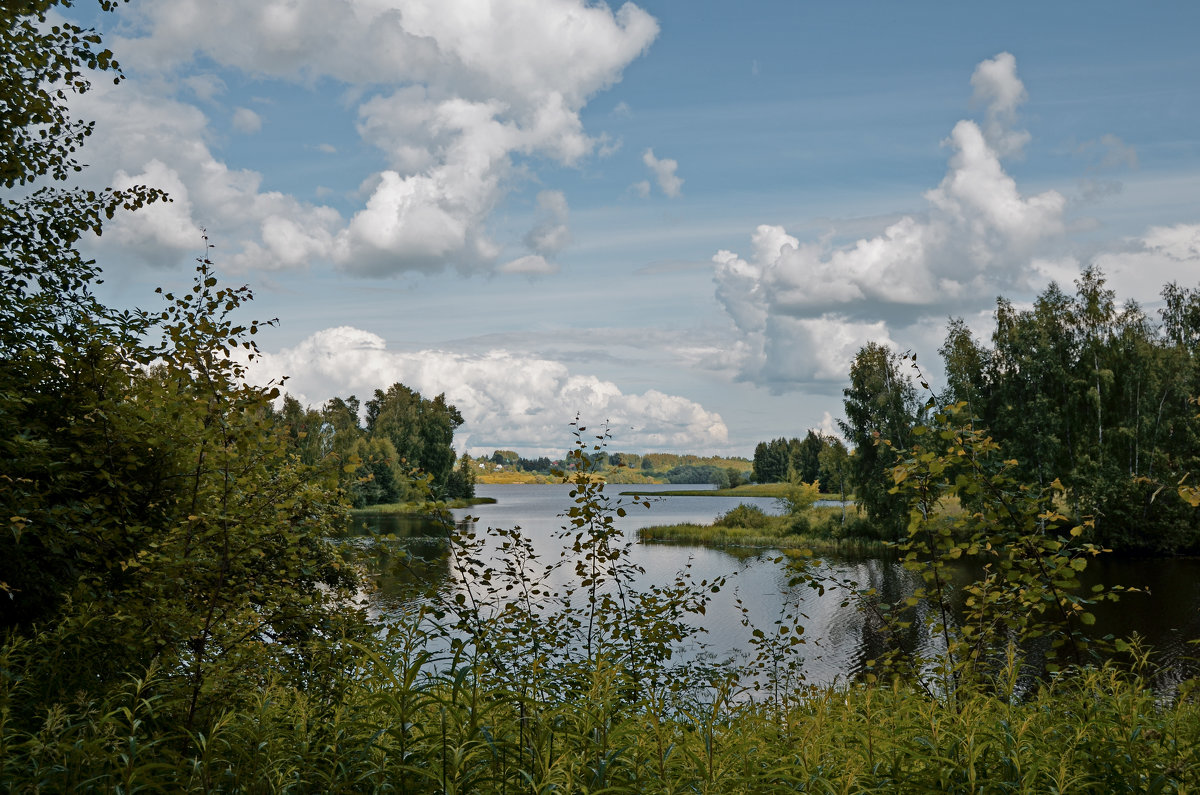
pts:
[719, 537]
[819, 529]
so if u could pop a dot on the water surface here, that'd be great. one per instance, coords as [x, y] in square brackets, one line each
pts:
[838, 637]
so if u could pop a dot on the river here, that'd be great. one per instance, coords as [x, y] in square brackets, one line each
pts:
[838, 639]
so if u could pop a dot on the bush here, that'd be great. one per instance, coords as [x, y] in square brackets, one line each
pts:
[745, 516]
[800, 525]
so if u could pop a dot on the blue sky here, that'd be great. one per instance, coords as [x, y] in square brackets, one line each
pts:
[681, 217]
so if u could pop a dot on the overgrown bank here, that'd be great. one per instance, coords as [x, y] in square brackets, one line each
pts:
[397, 726]
[175, 617]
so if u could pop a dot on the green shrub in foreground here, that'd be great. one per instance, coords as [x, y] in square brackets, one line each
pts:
[405, 726]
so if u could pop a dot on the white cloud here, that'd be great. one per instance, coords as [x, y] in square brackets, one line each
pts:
[805, 308]
[161, 226]
[206, 87]
[1149, 262]
[1180, 242]
[552, 233]
[146, 138]
[463, 89]
[997, 87]
[508, 400]
[664, 173]
[246, 121]
[641, 188]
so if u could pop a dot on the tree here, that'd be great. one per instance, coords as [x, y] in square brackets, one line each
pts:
[966, 364]
[155, 512]
[835, 469]
[421, 430]
[56, 340]
[771, 461]
[461, 483]
[881, 410]
[806, 457]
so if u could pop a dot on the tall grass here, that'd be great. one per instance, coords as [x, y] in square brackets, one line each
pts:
[408, 725]
[577, 688]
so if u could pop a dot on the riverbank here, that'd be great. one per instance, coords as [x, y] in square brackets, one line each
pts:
[418, 508]
[773, 490]
[718, 537]
[514, 478]
[819, 529]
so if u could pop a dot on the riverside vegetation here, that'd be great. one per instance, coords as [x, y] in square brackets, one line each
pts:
[177, 618]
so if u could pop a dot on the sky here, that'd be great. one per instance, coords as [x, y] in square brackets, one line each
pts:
[679, 218]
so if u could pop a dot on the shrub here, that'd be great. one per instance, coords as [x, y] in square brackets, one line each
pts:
[746, 516]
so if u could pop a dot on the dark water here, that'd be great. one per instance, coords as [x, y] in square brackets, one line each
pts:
[839, 638]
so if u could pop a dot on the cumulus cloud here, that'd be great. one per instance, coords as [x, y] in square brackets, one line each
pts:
[156, 141]
[1148, 262]
[450, 94]
[1181, 242]
[804, 308]
[507, 400]
[246, 121]
[997, 87]
[664, 173]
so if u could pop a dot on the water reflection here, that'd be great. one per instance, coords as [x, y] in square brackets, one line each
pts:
[407, 559]
[840, 635]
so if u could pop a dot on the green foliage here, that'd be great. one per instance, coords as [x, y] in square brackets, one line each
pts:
[1096, 396]
[881, 410]
[172, 524]
[547, 639]
[750, 516]
[798, 497]
[782, 460]
[421, 430]
[407, 726]
[156, 519]
[460, 485]
[717, 476]
[1029, 554]
[175, 619]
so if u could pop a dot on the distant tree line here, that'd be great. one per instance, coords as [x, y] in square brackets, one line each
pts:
[1075, 388]
[671, 467]
[541, 466]
[405, 441]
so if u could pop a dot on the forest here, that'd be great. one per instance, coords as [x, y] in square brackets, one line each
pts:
[404, 454]
[179, 614]
[1077, 391]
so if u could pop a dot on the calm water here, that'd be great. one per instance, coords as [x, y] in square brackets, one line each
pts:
[838, 638]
